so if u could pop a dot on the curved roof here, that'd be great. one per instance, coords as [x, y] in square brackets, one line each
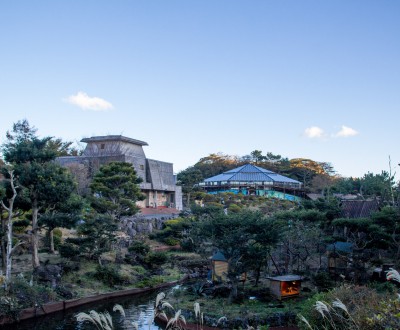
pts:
[249, 173]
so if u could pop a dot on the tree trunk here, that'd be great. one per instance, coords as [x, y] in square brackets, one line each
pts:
[258, 273]
[51, 238]
[9, 243]
[9, 249]
[234, 291]
[188, 200]
[34, 236]
[3, 244]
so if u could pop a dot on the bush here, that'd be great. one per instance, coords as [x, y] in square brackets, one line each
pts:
[156, 258]
[234, 208]
[171, 241]
[187, 245]
[20, 225]
[216, 205]
[368, 309]
[139, 270]
[68, 250]
[29, 295]
[323, 281]
[150, 282]
[139, 247]
[109, 275]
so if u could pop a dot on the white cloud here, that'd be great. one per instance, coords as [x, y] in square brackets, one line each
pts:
[346, 132]
[87, 102]
[314, 132]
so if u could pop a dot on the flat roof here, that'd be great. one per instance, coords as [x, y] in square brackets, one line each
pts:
[106, 138]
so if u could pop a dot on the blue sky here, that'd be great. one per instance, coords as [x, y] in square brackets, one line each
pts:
[312, 79]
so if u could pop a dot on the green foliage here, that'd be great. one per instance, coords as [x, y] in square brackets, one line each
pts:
[139, 247]
[150, 282]
[139, 270]
[116, 190]
[244, 238]
[57, 235]
[20, 225]
[174, 231]
[187, 244]
[234, 208]
[10, 307]
[308, 216]
[154, 259]
[171, 241]
[382, 228]
[109, 275]
[364, 308]
[68, 250]
[98, 232]
[30, 295]
[63, 214]
[323, 281]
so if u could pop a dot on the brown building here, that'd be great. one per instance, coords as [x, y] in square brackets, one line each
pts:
[159, 181]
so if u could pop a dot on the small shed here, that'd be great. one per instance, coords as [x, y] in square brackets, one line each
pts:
[219, 267]
[285, 286]
[338, 254]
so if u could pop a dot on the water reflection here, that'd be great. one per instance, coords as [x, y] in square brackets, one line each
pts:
[137, 309]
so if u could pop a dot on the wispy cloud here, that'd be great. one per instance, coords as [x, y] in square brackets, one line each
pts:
[86, 102]
[314, 132]
[346, 132]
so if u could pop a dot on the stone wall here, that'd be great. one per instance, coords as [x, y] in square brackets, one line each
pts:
[139, 225]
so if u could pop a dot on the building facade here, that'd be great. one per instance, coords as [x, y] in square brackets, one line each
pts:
[159, 182]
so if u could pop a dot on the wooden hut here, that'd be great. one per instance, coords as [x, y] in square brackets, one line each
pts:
[285, 286]
[219, 267]
[338, 256]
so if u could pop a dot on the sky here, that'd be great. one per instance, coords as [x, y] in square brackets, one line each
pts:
[310, 79]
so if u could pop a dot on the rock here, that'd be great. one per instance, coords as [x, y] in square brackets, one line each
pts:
[48, 273]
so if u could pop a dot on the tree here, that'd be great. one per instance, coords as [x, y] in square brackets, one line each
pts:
[64, 214]
[114, 193]
[63, 148]
[115, 190]
[244, 238]
[257, 157]
[9, 231]
[188, 179]
[306, 169]
[44, 181]
[377, 185]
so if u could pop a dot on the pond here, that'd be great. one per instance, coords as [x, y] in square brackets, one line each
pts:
[138, 308]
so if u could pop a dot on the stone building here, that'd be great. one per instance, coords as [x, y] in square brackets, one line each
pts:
[159, 182]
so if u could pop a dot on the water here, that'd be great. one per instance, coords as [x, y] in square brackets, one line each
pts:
[137, 308]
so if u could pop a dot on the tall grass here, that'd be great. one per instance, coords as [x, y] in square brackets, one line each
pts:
[103, 321]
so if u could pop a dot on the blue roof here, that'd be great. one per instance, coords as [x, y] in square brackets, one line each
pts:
[251, 173]
[218, 256]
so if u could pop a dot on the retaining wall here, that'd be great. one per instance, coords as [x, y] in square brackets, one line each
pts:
[59, 306]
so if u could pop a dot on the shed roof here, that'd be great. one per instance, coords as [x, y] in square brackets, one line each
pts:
[285, 278]
[218, 256]
[251, 173]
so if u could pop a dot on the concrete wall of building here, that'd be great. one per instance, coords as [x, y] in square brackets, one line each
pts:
[109, 148]
[160, 174]
[140, 165]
